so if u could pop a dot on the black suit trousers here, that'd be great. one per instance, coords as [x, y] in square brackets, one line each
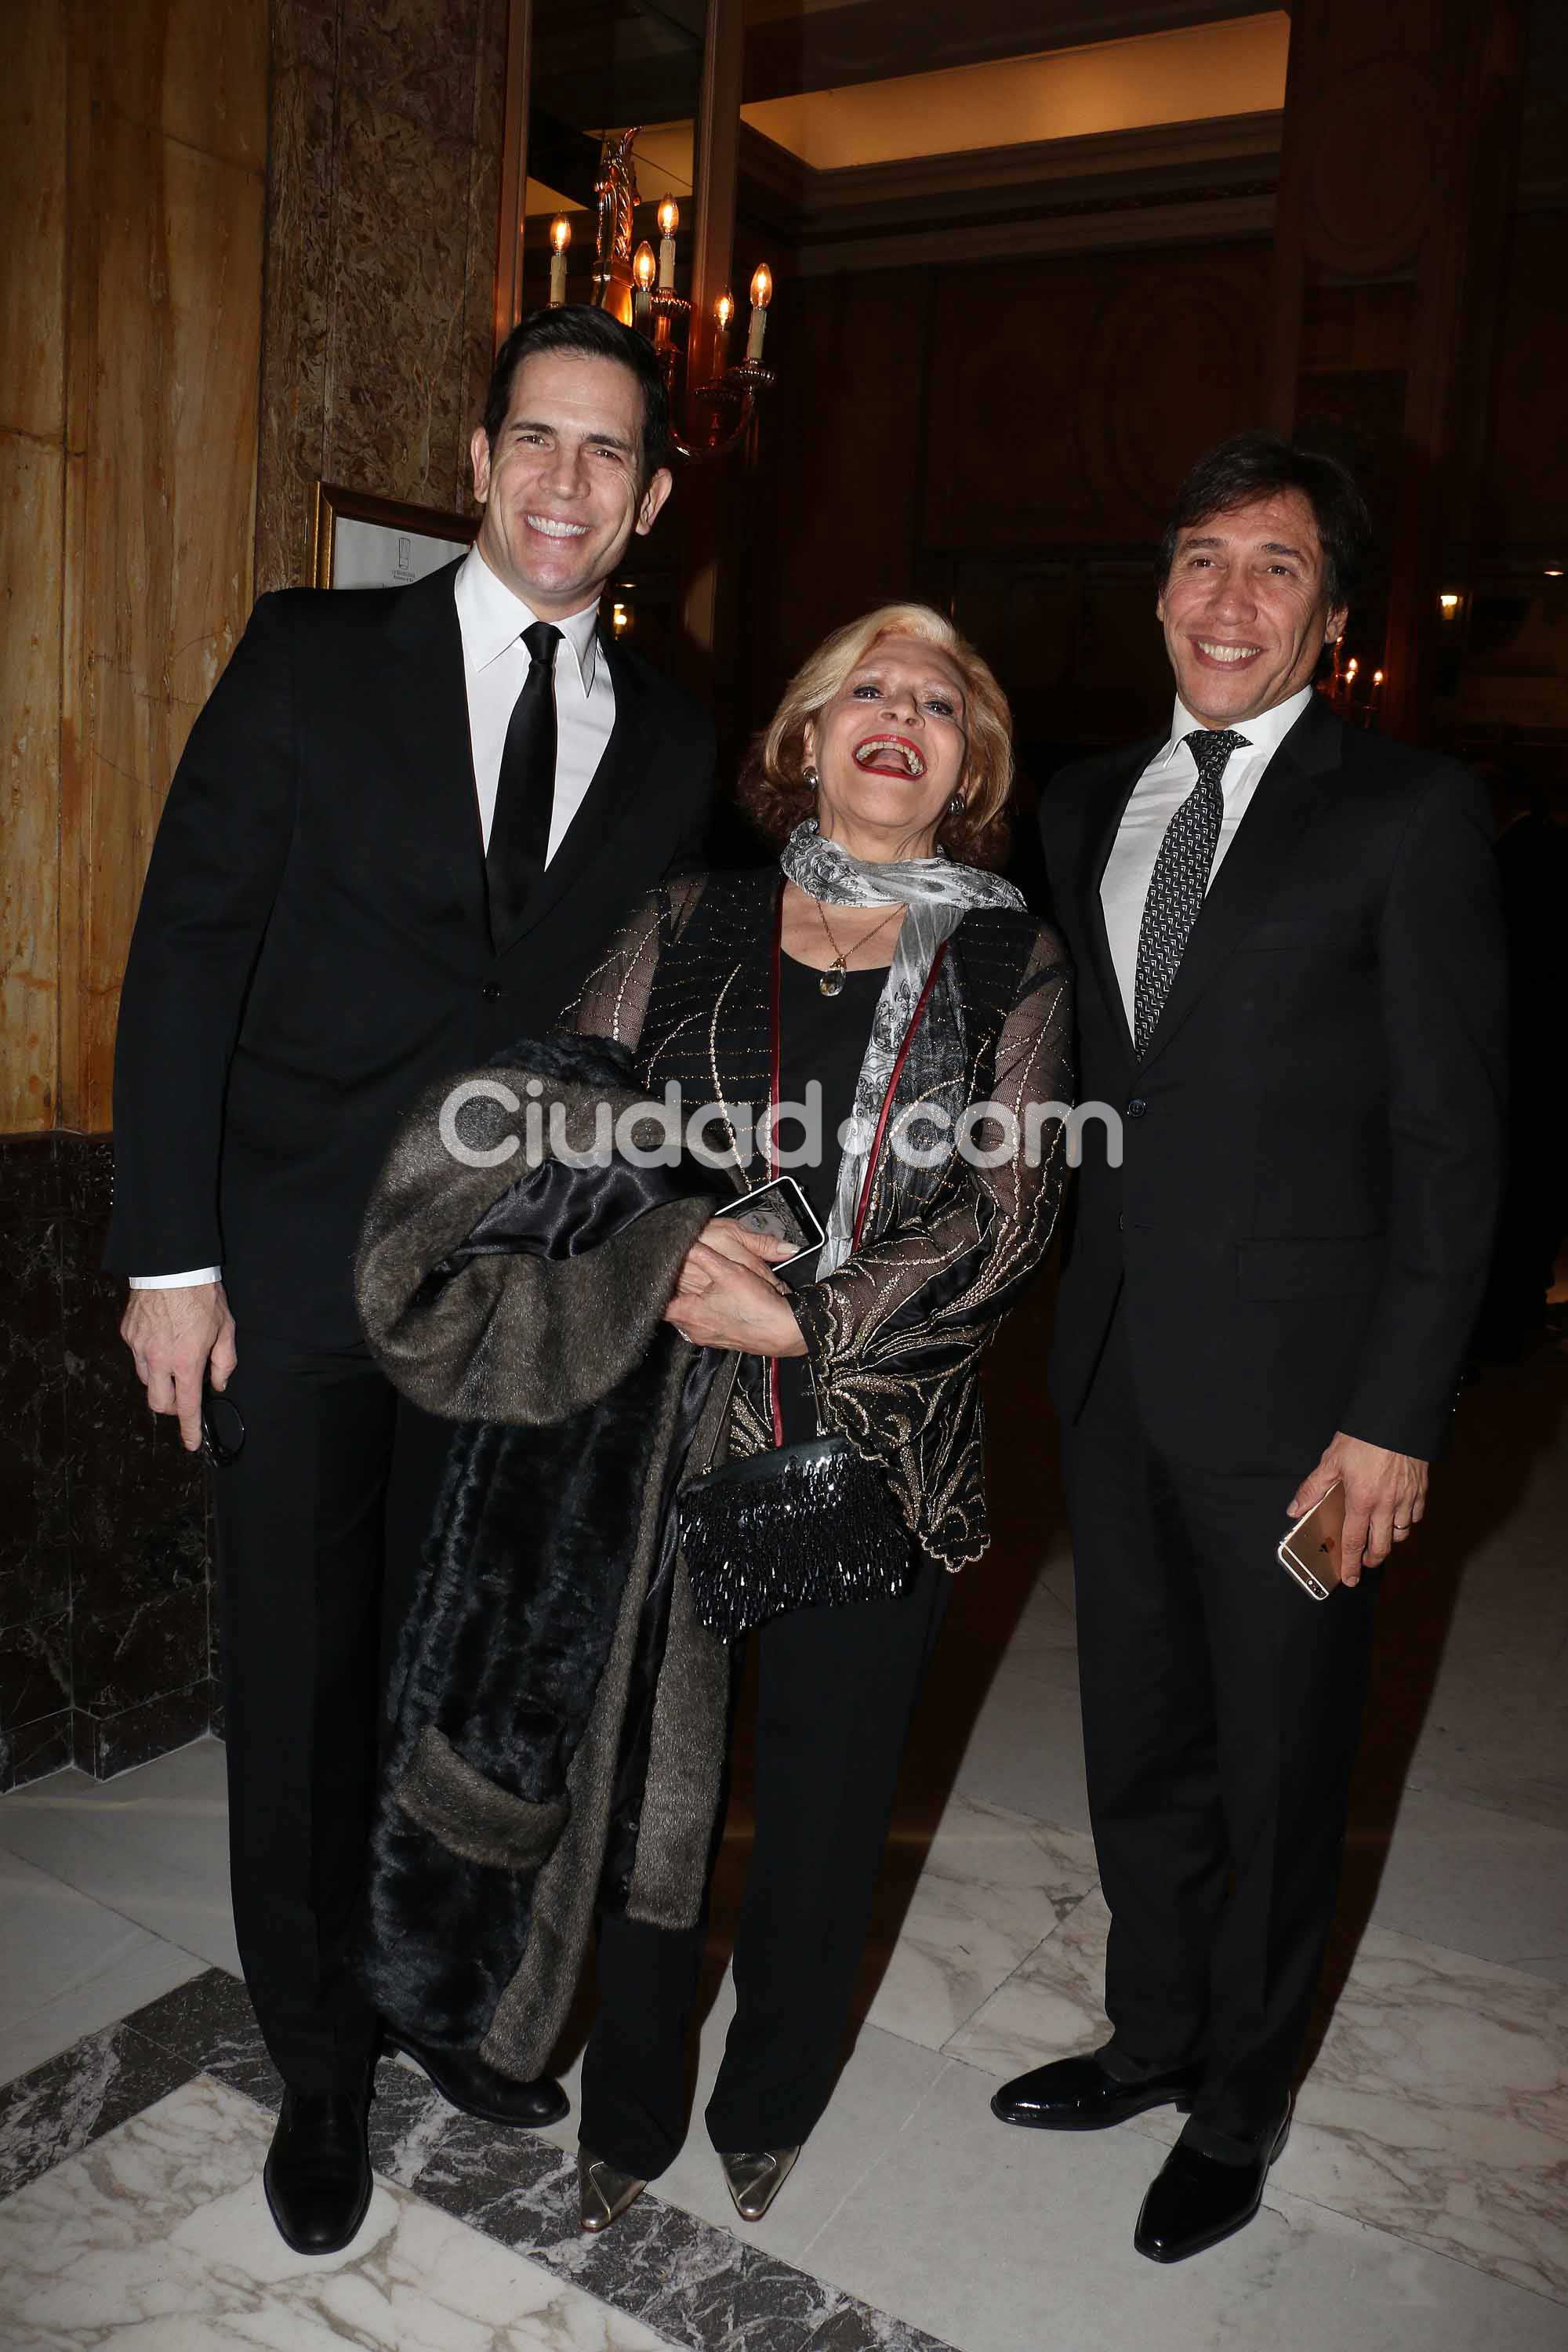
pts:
[836, 1687]
[320, 1522]
[1221, 1711]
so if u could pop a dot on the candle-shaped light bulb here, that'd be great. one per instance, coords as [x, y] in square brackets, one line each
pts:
[644, 270]
[761, 295]
[724, 311]
[560, 238]
[669, 222]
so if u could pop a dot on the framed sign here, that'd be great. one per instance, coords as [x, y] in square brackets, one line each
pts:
[361, 542]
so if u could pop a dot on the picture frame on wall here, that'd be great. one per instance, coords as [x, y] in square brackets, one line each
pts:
[360, 541]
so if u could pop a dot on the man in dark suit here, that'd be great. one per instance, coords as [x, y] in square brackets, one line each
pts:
[1290, 989]
[403, 828]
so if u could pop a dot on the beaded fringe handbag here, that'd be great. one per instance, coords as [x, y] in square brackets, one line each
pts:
[798, 1526]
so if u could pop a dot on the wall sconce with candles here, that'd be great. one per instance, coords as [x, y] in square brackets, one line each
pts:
[712, 416]
[686, 77]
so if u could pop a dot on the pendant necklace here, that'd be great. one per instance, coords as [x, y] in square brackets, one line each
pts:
[831, 981]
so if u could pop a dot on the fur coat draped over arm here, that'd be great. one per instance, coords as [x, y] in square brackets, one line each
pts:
[561, 1714]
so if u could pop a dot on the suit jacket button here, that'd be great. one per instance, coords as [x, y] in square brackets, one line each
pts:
[491, 991]
[1137, 1106]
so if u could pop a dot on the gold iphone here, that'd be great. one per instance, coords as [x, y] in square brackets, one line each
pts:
[1310, 1547]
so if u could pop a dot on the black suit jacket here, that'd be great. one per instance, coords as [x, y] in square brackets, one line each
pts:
[1312, 1142]
[313, 947]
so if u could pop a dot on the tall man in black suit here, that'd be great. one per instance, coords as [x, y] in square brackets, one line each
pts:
[1290, 986]
[403, 828]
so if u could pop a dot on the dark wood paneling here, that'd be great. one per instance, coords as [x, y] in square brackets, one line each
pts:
[1044, 432]
[1524, 489]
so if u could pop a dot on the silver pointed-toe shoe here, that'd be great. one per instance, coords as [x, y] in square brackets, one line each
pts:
[756, 2179]
[603, 2193]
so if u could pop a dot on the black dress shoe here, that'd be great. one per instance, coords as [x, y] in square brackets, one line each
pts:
[474, 2088]
[1078, 2095]
[317, 2174]
[1194, 2200]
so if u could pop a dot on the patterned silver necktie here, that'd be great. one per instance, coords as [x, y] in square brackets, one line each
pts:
[1180, 878]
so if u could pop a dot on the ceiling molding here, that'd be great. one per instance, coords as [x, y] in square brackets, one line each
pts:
[837, 47]
[1045, 197]
[1225, 216]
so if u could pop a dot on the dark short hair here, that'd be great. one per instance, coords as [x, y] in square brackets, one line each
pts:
[591, 334]
[1252, 466]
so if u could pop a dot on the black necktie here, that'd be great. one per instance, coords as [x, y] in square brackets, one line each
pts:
[1180, 878]
[525, 790]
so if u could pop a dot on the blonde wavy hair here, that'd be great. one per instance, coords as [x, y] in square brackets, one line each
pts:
[774, 791]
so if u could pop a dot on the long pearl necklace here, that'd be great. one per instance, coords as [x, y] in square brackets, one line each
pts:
[831, 982]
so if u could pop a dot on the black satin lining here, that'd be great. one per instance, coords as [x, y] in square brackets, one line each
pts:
[653, 1628]
[556, 1211]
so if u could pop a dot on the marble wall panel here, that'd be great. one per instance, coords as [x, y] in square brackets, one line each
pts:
[34, 1671]
[400, 257]
[484, 212]
[34, 1751]
[295, 327]
[304, 33]
[32, 206]
[387, 124]
[32, 490]
[105, 1744]
[35, 1531]
[418, 58]
[160, 1646]
[169, 526]
[34, 1549]
[140, 1551]
[105, 1548]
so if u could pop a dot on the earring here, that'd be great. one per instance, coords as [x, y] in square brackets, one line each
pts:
[957, 805]
[811, 779]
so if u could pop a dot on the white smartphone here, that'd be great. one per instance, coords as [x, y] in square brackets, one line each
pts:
[782, 1211]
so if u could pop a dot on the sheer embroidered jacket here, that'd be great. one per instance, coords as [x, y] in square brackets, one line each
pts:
[894, 1336]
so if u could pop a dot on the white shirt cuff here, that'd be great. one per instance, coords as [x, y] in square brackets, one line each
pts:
[176, 1281]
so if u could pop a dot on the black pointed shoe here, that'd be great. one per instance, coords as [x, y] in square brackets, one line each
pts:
[317, 2174]
[474, 2088]
[1079, 2095]
[1195, 2200]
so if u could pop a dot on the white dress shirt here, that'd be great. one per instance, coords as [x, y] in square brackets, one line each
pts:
[1159, 793]
[495, 665]
[491, 621]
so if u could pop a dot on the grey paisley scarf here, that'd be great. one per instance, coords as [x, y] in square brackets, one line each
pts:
[938, 895]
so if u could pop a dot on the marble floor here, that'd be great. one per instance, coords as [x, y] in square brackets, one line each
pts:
[1422, 2202]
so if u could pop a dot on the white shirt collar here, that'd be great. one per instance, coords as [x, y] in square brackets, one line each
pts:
[1267, 731]
[492, 618]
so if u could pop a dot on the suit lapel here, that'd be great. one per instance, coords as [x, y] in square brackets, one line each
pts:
[428, 710]
[1289, 795]
[629, 758]
[1106, 807]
